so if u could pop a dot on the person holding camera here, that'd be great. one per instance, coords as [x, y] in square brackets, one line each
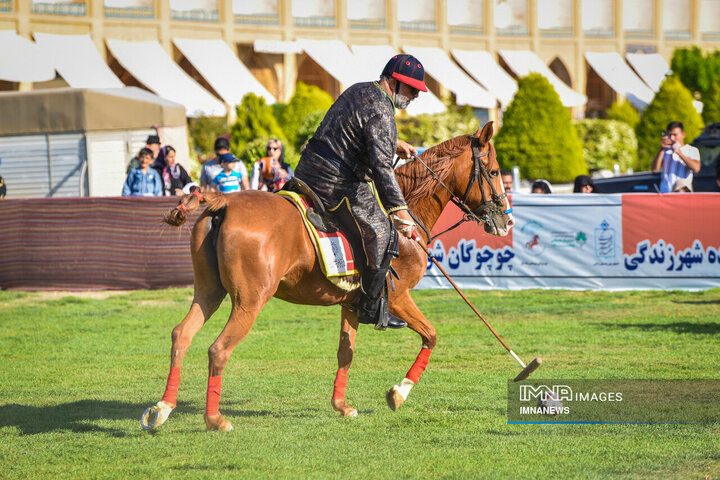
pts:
[677, 160]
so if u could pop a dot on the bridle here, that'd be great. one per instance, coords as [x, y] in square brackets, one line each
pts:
[491, 207]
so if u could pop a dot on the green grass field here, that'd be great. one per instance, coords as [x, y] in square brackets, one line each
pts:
[76, 373]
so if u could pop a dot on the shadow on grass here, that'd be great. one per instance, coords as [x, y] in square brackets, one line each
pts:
[698, 302]
[708, 328]
[74, 416]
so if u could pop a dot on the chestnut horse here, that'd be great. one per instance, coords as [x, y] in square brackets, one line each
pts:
[253, 256]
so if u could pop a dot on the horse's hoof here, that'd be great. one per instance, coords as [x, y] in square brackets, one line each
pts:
[156, 415]
[344, 409]
[394, 398]
[217, 422]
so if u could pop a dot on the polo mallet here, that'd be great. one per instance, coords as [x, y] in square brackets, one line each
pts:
[527, 369]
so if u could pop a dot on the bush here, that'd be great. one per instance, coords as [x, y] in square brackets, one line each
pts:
[427, 130]
[307, 100]
[255, 121]
[203, 131]
[607, 142]
[309, 124]
[537, 134]
[711, 101]
[673, 102]
[623, 112]
[695, 70]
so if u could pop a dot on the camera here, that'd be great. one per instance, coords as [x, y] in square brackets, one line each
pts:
[666, 133]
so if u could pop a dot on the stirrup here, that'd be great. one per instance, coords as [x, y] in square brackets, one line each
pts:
[393, 322]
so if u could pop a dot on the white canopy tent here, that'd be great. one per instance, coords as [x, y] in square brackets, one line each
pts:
[651, 67]
[148, 62]
[617, 74]
[276, 46]
[438, 64]
[486, 71]
[224, 71]
[77, 60]
[335, 58]
[373, 59]
[524, 62]
[22, 60]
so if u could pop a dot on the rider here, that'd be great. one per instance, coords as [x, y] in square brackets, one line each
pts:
[349, 164]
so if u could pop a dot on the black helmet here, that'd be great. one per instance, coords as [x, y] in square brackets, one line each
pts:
[406, 69]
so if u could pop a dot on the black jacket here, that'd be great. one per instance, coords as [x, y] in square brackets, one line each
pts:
[355, 143]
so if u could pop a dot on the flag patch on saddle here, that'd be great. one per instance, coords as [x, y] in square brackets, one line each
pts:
[333, 249]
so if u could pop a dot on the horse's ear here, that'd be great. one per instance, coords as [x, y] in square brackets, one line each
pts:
[486, 134]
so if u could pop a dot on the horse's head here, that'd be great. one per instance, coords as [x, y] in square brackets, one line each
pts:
[483, 192]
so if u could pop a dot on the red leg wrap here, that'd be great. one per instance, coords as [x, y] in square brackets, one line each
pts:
[419, 366]
[212, 404]
[171, 388]
[340, 384]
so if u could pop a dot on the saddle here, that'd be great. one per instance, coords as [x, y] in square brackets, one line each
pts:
[337, 254]
[316, 213]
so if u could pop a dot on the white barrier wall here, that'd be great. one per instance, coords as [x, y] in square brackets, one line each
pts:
[576, 241]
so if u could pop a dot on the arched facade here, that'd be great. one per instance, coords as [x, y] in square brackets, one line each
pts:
[557, 66]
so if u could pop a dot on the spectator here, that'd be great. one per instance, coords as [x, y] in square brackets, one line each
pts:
[507, 180]
[143, 181]
[676, 159]
[683, 185]
[228, 180]
[541, 186]
[584, 184]
[273, 175]
[153, 144]
[212, 167]
[3, 188]
[173, 175]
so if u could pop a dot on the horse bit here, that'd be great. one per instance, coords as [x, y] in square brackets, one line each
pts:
[492, 208]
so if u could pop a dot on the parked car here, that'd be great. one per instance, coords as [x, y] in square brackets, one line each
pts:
[708, 143]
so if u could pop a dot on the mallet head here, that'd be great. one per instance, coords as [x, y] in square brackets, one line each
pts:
[532, 366]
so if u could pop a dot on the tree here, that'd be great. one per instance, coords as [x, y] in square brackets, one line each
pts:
[623, 112]
[711, 103]
[204, 130]
[306, 100]
[673, 102]
[254, 121]
[309, 124]
[427, 130]
[537, 134]
[607, 142]
[695, 70]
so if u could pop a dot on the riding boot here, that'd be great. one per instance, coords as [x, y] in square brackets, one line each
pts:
[373, 304]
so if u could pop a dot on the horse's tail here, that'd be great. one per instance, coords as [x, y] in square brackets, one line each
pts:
[191, 202]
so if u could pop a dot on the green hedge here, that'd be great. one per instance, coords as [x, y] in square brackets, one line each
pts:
[623, 112]
[711, 103]
[607, 142]
[538, 135]
[307, 100]
[673, 102]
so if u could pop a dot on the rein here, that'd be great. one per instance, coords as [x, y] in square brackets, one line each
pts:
[490, 208]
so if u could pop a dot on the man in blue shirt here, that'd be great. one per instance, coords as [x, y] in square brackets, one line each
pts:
[677, 160]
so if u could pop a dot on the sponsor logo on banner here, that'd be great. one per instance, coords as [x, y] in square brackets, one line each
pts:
[568, 239]
[605, 245]
[533, 237]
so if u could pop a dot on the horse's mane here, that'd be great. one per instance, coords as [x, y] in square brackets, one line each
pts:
[416, 181]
